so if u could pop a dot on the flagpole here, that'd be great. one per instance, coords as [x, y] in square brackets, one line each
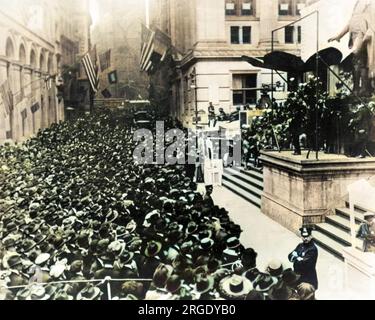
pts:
[147, 4]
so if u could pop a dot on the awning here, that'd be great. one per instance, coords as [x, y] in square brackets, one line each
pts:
[283, 61]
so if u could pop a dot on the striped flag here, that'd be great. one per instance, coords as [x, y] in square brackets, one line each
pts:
[7, 96]
[91, 69]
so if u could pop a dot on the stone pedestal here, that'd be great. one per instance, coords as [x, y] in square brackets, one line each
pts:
[298, 191]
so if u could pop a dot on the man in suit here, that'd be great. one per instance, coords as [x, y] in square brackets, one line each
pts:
[304, 258]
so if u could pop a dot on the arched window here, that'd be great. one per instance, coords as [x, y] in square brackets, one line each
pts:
[42, 62]
[9, 51]
[33, 66]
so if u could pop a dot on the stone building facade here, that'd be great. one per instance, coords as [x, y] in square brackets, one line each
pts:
[36, 37]
[120, 30]
[209, 38]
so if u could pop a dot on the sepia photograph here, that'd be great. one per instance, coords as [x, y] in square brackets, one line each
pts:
[201, 151]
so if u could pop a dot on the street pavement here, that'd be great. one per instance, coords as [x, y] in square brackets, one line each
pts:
[273, 241]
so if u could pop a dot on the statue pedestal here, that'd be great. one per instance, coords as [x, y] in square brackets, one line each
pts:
[360, 271]
[298, 191]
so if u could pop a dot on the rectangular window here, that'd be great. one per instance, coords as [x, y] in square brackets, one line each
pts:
[239, 7]
[244, 89]
[300, 5]
[246, 35]
[291, 7]
[289, 34]
[299, 30]
[285, 8]
[247, 8]
[235, 35]
[230, 8]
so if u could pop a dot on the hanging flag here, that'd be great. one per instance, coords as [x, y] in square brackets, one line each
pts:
[106, 94]
[90, 65]
[48, 82]
[7, 96]
[112, 77]
[105, 60]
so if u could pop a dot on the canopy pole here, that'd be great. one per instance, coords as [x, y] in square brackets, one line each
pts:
[317, 88]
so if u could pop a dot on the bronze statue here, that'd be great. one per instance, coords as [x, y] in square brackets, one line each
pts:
[362, 36]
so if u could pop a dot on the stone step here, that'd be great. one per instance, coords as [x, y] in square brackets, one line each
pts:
[244, 177]
[251, 172]
[345, 213]
[357, 207]
[340, 222]
[337, 234]
[255, 200]
[251, 166]
[243, 185]
[328, 244]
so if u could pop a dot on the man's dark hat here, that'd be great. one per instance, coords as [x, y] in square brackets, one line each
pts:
[280, 292]
[290, 278]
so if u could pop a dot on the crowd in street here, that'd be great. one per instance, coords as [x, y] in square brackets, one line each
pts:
[75, 210]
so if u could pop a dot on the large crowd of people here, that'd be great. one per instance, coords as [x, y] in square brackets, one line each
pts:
[78, 217]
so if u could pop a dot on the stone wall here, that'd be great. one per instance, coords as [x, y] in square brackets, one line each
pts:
[298, 191]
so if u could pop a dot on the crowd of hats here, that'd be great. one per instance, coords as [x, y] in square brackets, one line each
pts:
[75, 209]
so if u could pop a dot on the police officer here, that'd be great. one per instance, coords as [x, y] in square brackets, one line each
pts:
[304, 258]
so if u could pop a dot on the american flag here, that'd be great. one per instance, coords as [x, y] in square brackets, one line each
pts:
[91, 68]
[7, 96]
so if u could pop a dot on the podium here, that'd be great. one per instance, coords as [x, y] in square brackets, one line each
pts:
[213, 172]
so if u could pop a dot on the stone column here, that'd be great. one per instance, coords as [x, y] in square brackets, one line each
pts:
[4, 118]
[268, 15]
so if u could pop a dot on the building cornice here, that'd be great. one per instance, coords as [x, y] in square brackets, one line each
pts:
[26, 32]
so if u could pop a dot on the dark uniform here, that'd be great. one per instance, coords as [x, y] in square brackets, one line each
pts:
[304, 259]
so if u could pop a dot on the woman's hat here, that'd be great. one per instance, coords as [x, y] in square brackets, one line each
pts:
[235, 287]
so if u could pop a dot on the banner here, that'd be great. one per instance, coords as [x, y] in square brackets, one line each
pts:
[106, 94]
[112, 77]
[89, 62]
[105, 60]
[7, 96]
